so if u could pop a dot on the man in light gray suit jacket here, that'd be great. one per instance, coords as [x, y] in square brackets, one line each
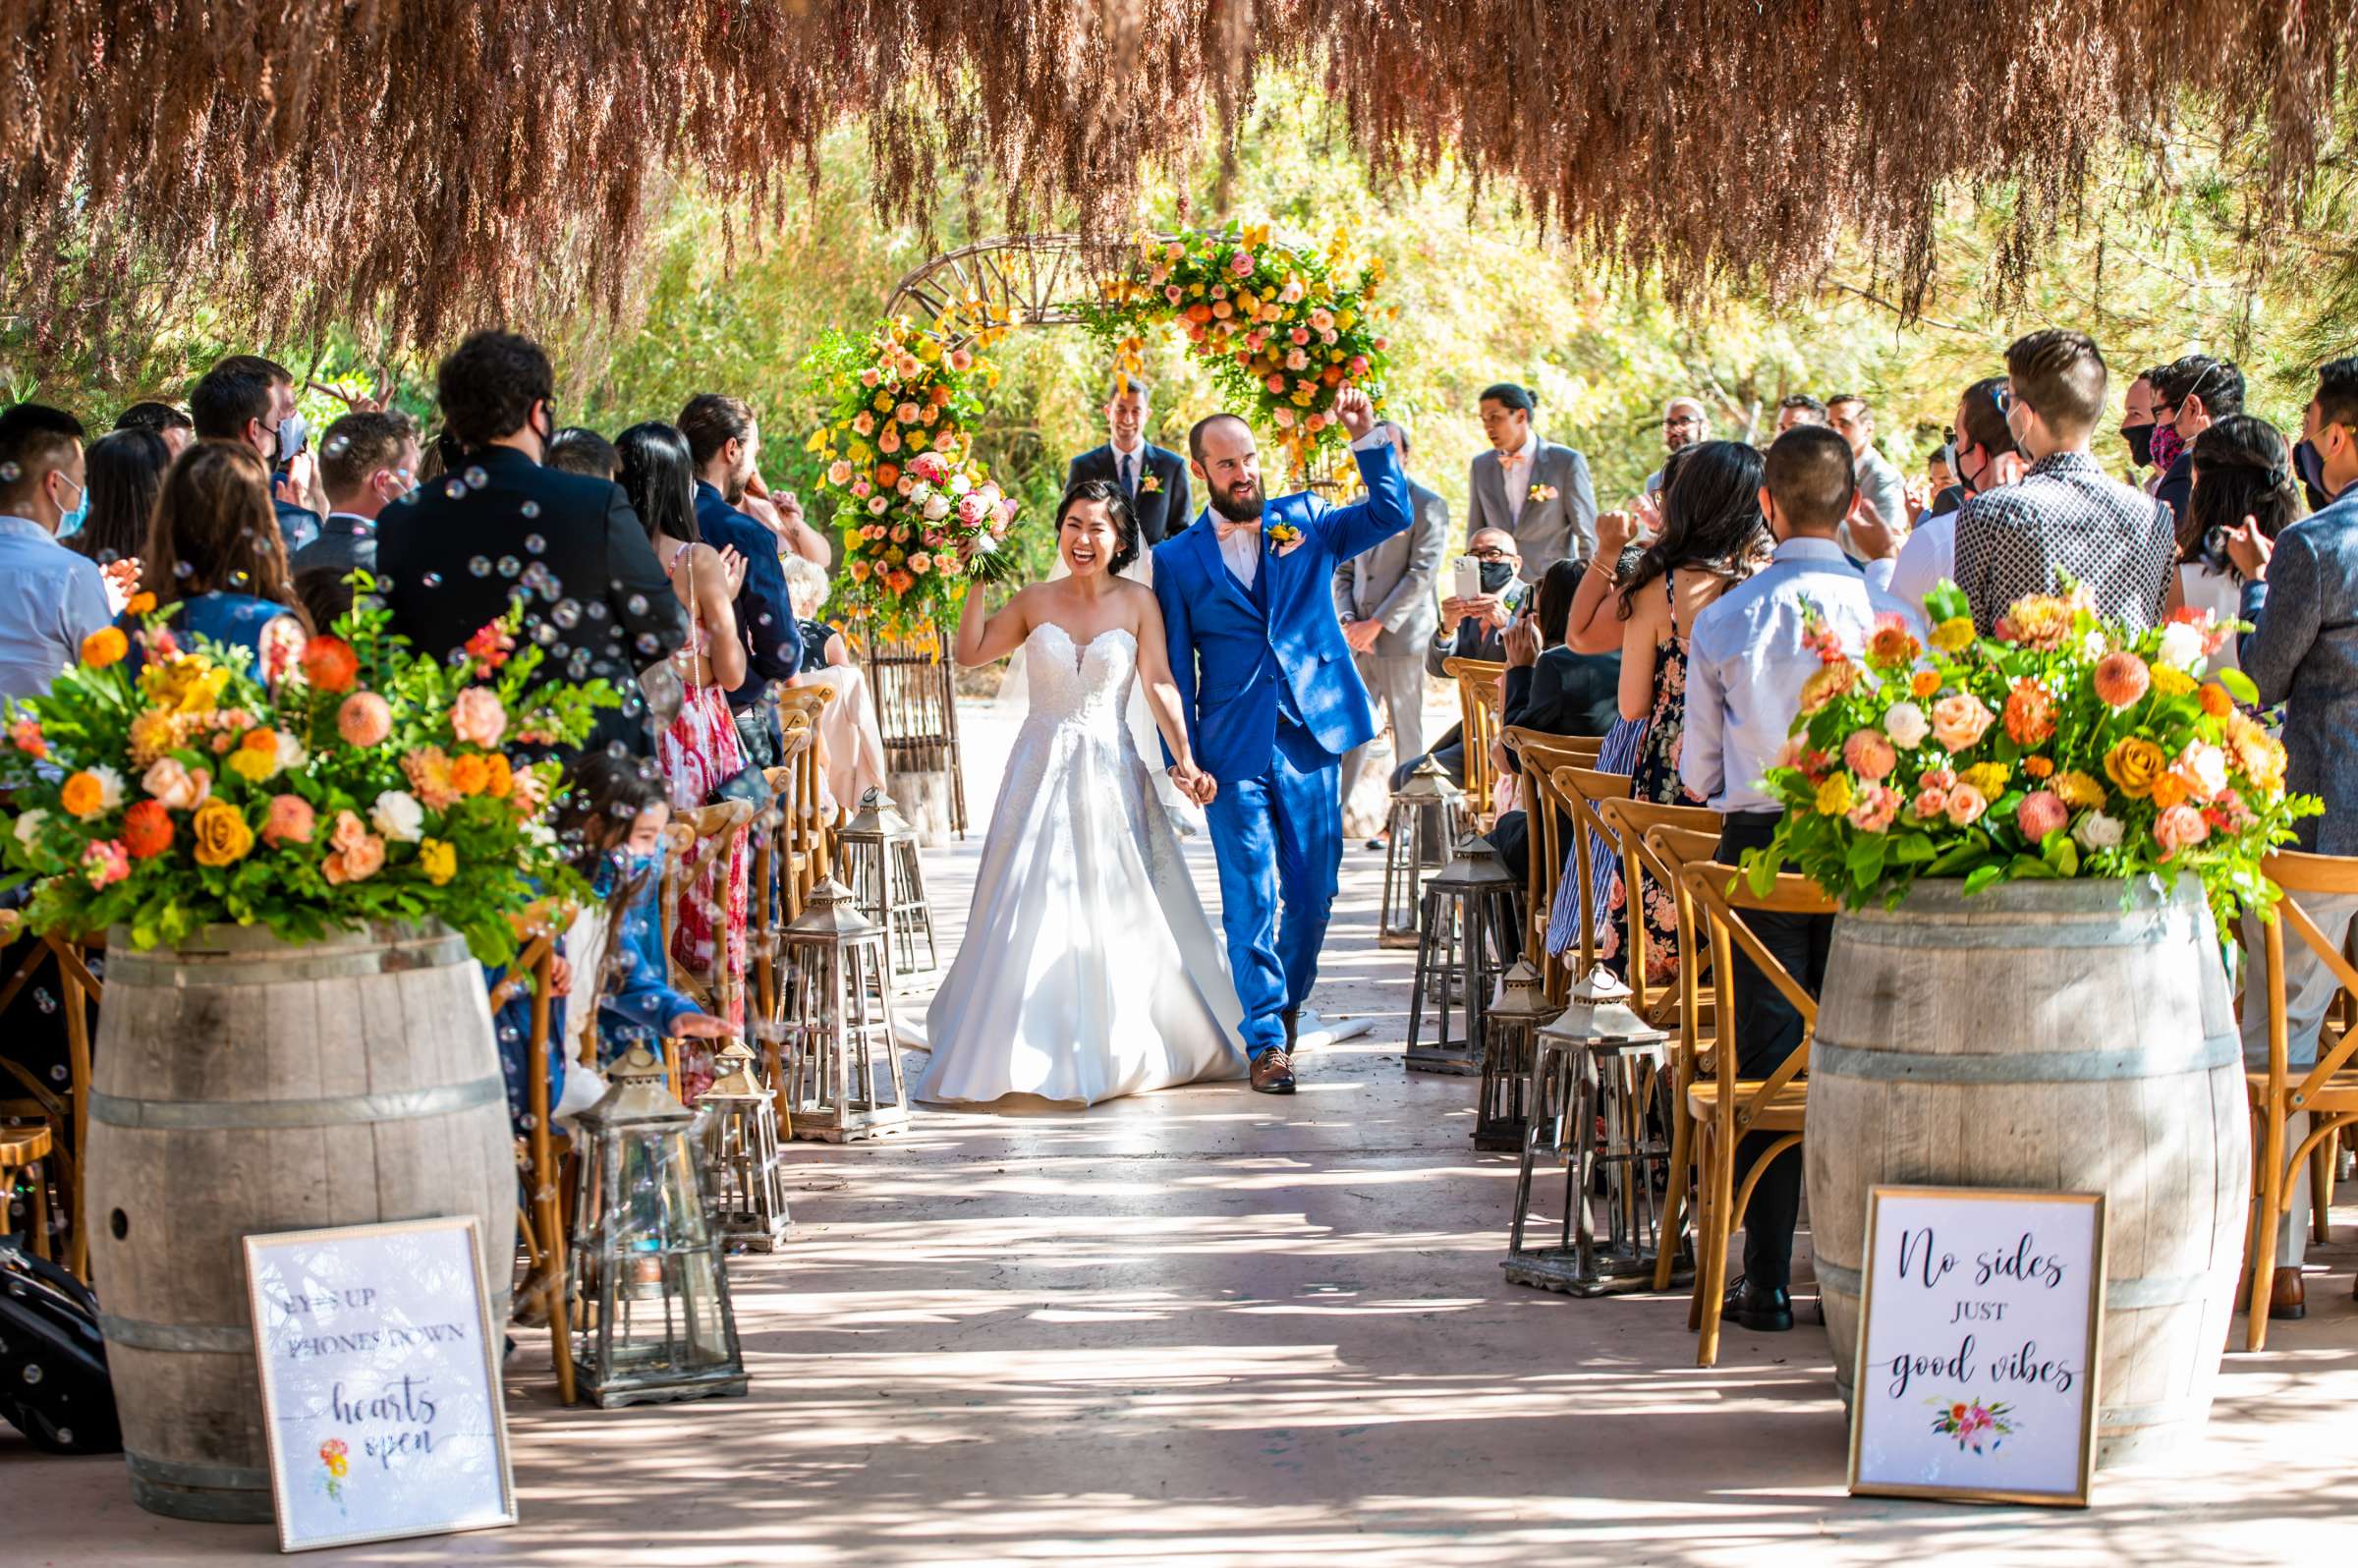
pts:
[1384, 600]
[1533, 490]
[2301, 597]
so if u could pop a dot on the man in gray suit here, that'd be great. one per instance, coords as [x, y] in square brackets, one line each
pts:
[1878, 482]
[1533, 490]
[1384, 600]
[2301, 597]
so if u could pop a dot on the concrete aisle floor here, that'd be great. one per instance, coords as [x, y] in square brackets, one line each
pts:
[1207, 1327]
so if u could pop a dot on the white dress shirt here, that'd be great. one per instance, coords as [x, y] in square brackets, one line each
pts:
[1518, 477]
[1929, 555]
[1242, 549]
[50, 599]
[1746, 661]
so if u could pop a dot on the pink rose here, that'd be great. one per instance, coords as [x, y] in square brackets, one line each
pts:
[356, 864]
[1966, 805]
[906, 414]
[1959, 721]
[1876, 807]
[477, 718]
[365, 720]
[2178, 828]
[944, 440]
[889, 441]
[1276, 383]
[1300, 337]
[1241, 263]
[291, 820]
[1869, 755]
[971, 509]
[839, 472]
[348, 832]
[863, 423]
[178, 788]
[2203, 769]
[2041, 812]
[870, 377]
[961, 360]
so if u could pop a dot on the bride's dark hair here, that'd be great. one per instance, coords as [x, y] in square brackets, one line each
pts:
[1117, 510]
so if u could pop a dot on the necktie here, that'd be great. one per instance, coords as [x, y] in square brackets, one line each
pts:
[1129, 474]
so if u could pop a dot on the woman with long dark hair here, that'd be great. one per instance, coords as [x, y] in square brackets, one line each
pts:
[217, 562]
[699, 751]
[1712, 536]
[2242, 469]
[126, 470]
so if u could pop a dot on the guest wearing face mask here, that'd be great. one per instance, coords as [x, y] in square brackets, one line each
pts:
[2189, 396]
[1472, 629]
[2136, 429]
[368, 462]
[2242, 474]
[1984, 458]
[50, 598]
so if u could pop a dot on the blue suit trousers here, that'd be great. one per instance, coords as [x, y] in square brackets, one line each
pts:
[1278, 841]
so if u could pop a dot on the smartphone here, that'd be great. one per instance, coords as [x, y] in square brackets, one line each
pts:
[1469, 577]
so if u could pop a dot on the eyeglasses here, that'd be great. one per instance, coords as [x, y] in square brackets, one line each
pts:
[1492, 552]
[1680, 422]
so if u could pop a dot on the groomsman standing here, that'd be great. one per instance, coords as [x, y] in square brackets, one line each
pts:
[1533, 490]
[1155, 481]
[1385, 601]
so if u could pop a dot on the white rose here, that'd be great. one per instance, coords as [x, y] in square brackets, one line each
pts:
[960, 484]
[937, 507]
[398, 815]
[2181, 645]
[29, 827]
[111, 786]
[2093, 645]
[290, 754]
[1906, 725]
[2097, 831]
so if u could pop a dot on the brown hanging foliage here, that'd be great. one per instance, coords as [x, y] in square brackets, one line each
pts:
[414, 167]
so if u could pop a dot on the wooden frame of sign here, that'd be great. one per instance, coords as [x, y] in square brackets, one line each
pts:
[1997, 1266]
[381, 1401]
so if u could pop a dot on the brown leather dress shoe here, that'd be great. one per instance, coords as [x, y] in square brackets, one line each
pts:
[2287, 1302]
[1272, 1073]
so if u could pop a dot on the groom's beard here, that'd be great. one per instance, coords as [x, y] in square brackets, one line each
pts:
[1237, 506]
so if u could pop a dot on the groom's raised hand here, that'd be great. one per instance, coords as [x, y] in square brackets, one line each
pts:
[1356, 409]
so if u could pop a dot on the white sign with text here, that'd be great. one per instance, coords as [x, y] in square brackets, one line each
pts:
[1977, 1344]
[380, 1382]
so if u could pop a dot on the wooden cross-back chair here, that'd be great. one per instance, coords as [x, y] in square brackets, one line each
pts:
[1480, 704]
[1727, 1108]
[810, 836]
[1668, 851]
[1581, 788]
[1538, 755]
[1625, 824]
[719, 829]
[540, 1217]
[2327, 1091]
[68, 1115]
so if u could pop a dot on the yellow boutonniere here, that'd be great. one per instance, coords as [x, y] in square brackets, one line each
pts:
[1543, 493]
[1284, 539]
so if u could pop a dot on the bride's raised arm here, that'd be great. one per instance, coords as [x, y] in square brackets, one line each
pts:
[983, 638]
[1162, 698]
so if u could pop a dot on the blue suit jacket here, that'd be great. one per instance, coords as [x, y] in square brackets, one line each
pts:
[764, 613]
[1229, 656]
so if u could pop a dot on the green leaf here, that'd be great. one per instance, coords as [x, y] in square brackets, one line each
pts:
[1912, 849]
[1982, 877]
[2239, 685]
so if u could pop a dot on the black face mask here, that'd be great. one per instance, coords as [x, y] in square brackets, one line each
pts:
[2312, 469]
[2141, 443]
[1497, 575]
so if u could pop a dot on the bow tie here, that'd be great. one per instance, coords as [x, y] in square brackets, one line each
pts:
[1509, 459]
[1228, 531]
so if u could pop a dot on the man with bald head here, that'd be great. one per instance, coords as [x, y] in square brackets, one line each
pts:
[1683, 424]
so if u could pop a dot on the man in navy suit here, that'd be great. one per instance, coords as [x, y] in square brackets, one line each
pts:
[1155, 481]
[1274, 699]
[724, 440]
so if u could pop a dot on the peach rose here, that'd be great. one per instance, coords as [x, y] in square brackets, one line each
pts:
[1959, 721]
[2179, 828]
[365, 720]
[1966, 805]
[290, 821]
[477, 718]
[1869, 755]
[179, 788]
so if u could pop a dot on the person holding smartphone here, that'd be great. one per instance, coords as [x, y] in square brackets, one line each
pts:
[1473, 626]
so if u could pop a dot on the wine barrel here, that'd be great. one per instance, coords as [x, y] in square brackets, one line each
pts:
[2045, 1035]
[242, 1085]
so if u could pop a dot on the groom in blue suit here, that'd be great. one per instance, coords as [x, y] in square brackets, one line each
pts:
[1274, 699]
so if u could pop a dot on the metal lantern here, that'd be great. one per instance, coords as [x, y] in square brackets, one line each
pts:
[655, 1323]
[1470, 925]
[1427, 817]
[1597, 1061]
[878, 850]
[1509, 1036]
[838, 1026]
[741, 1154]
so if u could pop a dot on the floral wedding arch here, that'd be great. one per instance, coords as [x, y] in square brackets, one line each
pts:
[1284, 325]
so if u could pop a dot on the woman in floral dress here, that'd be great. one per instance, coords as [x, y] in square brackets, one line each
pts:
[1713, 535]
[699, 751]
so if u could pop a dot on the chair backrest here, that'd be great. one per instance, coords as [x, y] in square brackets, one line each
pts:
[2295, 874]
[1668, 851]
[1719, 890]
[1540, 754]
[1480, 701]
[1626, 822]
[1582, 788]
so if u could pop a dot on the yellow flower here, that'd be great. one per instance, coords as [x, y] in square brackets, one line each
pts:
[1834, 796]
[152, 733]
[1988, 777]
[2134, 764]
[105, 646]
[439, 861]
[251, 765]
[2077, 790]
[222, 836]
[1953, 633]
[2171, 680]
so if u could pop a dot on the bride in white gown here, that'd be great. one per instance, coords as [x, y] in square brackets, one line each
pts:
[1089, 969]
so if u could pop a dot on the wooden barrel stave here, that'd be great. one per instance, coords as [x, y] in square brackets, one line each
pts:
[246, 1087]
[2092, 1049]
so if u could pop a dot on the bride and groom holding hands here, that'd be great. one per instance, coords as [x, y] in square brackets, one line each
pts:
[1089, 968]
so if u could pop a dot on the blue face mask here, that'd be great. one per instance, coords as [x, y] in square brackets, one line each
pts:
[70, 524]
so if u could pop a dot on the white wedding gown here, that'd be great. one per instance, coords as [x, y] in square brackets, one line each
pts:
[1089, 969]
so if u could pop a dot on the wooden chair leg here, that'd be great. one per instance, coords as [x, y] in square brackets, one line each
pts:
[1674, 1201]
[2320, 1191]
[2263, 1231]
[1707, 1221]
[1715, 1284]
[77, 1047]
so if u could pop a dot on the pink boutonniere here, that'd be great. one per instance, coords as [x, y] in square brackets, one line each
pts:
[1149, 485]
[1543, 493]
[1284, 539]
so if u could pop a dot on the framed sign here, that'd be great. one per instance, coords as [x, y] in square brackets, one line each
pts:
[380, 1382]
[1980, 1316]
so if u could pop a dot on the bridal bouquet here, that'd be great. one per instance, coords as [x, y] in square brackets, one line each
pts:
[361, 782]
[2063, 746]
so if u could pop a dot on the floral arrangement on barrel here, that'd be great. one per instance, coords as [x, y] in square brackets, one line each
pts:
[919, 516]
[2063, 746]
[1284, 325]
[364, 782]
